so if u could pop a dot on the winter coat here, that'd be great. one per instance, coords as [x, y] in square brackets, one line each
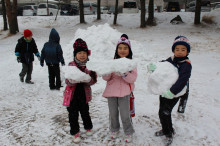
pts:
[88, 91]
[184, 69]
[52, 52]
[118, 86]
[25, 50]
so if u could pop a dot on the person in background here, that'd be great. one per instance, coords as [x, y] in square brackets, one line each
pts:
[24, 51]
[52, 53]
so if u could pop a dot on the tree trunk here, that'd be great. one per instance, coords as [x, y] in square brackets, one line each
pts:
[197, 12]
[143, 12]
[98, 10]
[4, 15]
[150, 20]
[12, 16]
[116, 12]
[81, 11]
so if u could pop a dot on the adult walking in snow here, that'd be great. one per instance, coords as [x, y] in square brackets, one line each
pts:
[181, 50]
[52, 53]
[81, 92]
[24, 51]
[118, 90]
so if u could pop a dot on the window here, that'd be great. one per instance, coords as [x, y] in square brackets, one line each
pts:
[130, 4]
[42, 6]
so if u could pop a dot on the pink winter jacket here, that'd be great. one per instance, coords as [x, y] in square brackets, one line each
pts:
[118, 86]
[87, 87]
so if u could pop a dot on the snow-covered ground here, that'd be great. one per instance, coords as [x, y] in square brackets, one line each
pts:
[34, 115]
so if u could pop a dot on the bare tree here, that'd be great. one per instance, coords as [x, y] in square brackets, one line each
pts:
[98, 10]
[143, 11]
[197, 12]
[150, 20]
[116, 12]
[4, 15]
[11, 10]
[81, 11]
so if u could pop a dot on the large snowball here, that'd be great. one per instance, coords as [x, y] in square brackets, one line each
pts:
[73, 73]
[162, 78]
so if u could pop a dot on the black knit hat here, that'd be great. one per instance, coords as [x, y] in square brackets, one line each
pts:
[80, 45]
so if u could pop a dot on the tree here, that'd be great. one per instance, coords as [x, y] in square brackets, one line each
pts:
[143, 11]
[197, 12]
[98, 10]
[4, 15]
[150, 20]
[11, 10]
[81, 7]
[116, 12]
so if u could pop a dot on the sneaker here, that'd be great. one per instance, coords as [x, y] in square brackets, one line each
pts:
[76, 138]
[21, 79]
[29, 82]
[128, 138]
[89, 132]
[159, 133]
[114, 135]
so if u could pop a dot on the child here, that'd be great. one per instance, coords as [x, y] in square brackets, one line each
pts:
[118, 93]
[181, 49]
[24, 51]
[52, 54]
[81, 92]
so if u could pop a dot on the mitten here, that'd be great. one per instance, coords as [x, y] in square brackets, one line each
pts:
[42, 63]
[168, 94]
[18, 59]
[63, 63]
[93, 75]
[151, 67]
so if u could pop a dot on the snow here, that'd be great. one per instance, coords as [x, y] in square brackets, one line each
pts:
[162, 79]
[34, 115]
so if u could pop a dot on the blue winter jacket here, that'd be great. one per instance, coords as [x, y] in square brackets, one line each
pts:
[52, 52]
[184, 69]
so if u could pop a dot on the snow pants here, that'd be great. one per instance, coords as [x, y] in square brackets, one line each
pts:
[120, 105]
[78, 104]
[54, 73]
[26, 70]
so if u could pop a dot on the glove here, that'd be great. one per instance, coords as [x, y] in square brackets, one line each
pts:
[18, 59]
[38, 57]
[168, 94]
[151, 67]
[93, 75]
[42, 63]
[63, 63]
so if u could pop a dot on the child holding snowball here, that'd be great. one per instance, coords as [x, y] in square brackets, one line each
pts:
[118, 90]
[181, 50]
[81, 92]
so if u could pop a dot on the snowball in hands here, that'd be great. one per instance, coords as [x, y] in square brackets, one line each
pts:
[162, 79]
[74, 75]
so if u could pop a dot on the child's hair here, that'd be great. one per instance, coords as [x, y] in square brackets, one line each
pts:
[80, 45]
[123, 40]
[181, 40]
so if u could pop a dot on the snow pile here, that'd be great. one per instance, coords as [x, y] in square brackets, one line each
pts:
[162, 78]
[105, 67]
[73, 73]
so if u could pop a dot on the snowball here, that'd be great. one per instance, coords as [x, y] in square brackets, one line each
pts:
[73, 73]
[162, 78]
[105, 67]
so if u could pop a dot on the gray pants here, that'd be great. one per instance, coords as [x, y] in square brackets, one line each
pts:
[26, 69]
[122, 105]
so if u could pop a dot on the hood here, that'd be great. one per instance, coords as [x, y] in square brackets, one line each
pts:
[54, 36]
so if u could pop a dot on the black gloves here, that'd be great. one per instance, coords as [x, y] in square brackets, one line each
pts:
[93, 75]
[63, 63]
[18, 59]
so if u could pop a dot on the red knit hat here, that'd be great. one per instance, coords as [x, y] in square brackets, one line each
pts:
[27, 33]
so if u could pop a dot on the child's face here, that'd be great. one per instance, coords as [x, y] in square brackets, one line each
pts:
[29, 38]
[123, 50]
[180, 51]
[81, 56]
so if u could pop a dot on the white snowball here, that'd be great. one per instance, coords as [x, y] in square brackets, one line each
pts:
[162, 78]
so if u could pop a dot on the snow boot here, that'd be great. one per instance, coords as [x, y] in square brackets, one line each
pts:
[29, 82]
[76, 138]
[159, 133]
[114, 135]
[169, 140]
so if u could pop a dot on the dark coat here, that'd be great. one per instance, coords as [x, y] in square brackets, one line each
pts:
[184, 69]
[52, 52]
[26, 50]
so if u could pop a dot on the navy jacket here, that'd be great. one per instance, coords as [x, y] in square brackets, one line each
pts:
[25, 50]
[184, 69]
[52, 52]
